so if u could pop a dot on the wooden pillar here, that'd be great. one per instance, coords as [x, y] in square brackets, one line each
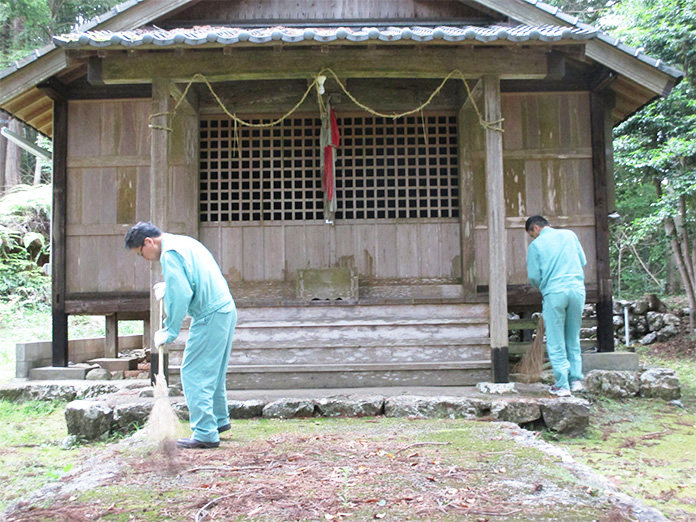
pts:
[497, 242]
[159, 190]
[467, 125]
[111, 336]
[600, 114]
[58, 232]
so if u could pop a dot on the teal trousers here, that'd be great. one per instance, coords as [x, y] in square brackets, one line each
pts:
[563, 318]
[204, 370]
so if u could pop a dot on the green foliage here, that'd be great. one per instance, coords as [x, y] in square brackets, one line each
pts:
[29, 24]
[24, 240]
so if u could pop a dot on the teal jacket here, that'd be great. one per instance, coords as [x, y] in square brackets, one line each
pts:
[195, 284]
[555, 261]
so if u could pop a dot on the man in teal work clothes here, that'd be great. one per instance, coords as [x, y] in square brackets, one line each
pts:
[555, 262]
[193, 285]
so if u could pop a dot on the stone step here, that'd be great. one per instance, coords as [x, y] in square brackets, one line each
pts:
[448, 373]
[407, 353]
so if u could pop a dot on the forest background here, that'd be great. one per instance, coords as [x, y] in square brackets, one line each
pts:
[653, 241]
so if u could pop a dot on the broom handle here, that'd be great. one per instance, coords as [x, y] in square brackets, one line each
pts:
[160, 366]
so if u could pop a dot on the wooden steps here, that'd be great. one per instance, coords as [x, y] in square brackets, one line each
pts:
[355, 346]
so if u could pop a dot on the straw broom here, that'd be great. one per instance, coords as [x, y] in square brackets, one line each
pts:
[532, 361]
[163, 423]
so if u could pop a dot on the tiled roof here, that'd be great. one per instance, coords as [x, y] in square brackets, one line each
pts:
[232, 35]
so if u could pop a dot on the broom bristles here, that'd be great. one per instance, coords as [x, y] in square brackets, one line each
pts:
[532, 362]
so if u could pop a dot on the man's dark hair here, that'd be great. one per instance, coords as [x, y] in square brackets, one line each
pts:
[535, 220]
[135, 237]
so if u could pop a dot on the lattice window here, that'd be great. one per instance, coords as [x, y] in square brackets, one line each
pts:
[385, 169]
[397, 169]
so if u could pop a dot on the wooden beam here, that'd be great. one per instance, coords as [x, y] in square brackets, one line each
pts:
[32, 74]
[600, 122]
[497, 241]
[383, 62]
[125, 304]
[58, 237]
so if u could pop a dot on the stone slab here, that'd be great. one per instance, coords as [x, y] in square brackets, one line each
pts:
[114, 364]
[616, 361]
[58, 373]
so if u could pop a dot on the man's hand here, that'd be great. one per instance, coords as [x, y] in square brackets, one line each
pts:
[160, 338]
[159, 289]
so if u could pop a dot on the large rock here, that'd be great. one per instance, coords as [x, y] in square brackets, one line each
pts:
[289, 408]
[89, 420]
[613, 384]
[246, 409]
[669, 331]
[656, 321]
[351, 407]
[660, 383]
[517, 411]
[40, 392]
[130, 417]
[567, 415]
[95, 390]
[431, 407]
[98, 374]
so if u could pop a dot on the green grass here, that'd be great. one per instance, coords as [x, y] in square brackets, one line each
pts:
[31, 454]
[647, 447]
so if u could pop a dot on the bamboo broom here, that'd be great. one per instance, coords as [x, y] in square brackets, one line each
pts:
[532, 362]
[163, 423]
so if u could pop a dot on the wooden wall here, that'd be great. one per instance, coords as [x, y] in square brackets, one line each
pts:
[108, 189]
[548, 171]
[547, 162]
[345, 11]
[380, 249]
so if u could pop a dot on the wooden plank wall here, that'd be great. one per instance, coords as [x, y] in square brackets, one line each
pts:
[377, 249]
[107, 191]
[245, 11]
[548, 171]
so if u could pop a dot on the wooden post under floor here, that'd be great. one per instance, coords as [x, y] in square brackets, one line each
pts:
[497, 243]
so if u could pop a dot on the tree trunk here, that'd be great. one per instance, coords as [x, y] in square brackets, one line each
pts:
[680, 247]
[13, 158]
[37, 171]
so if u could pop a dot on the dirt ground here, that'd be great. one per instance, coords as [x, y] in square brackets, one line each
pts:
[336, 470]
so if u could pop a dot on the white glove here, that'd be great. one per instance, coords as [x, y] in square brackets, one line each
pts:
[159, 289]
[160, 338]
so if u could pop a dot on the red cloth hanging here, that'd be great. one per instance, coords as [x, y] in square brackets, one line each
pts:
[329, 165]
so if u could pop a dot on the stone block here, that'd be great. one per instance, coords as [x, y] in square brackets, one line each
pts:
[351, 407]
[89, 420]
[435, 407]
[660, 383]
[327, 284]
[613, 384]
[517, 411]
[617, 361]
[289, 408]
[59, 373]
[568, 415]
[114, 364]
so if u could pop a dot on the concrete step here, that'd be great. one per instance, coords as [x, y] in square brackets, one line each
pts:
[448, 373]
